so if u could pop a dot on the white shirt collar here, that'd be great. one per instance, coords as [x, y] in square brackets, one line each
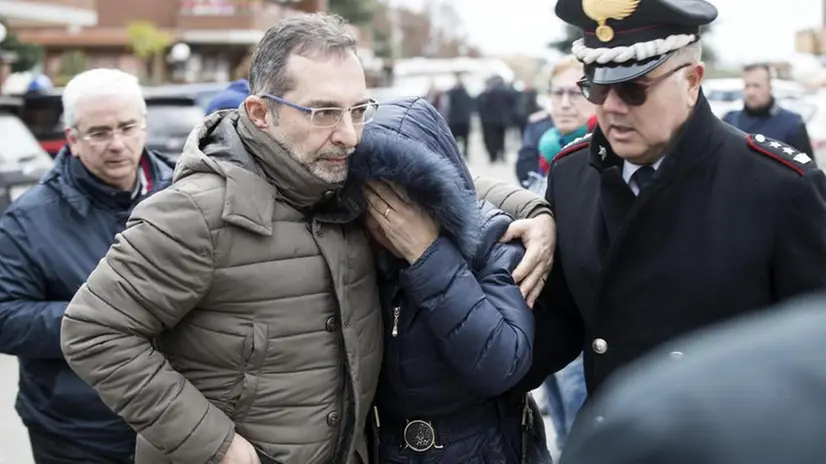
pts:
[628, 170]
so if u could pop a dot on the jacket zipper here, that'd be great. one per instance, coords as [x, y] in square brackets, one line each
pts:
[396, 312]
[394, 355]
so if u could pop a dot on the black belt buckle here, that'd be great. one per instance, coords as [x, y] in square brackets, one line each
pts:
[420, 436]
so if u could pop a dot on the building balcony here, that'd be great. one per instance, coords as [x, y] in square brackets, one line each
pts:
[33, 13]
[231, 15]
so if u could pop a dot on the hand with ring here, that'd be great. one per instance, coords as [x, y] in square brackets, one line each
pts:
[406, 226]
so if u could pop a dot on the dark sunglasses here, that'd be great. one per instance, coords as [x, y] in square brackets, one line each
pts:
[633, 93]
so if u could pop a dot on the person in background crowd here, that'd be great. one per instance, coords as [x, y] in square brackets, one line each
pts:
[458, 333]
[762, 115]
[438, 98]
[668, 219]
[460, 111]
[531, 165]
[258, 337]
[51, 238]
[526, 105]
[495, 106]
[744, 392]
[572, 114]
[39, 84]
[527, 161]
[231, 97]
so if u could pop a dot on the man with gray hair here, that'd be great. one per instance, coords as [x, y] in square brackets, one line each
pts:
[237, 319]
[51, 239]
[669, 220]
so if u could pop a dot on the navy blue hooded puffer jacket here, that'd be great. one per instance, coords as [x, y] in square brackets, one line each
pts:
[464, 331]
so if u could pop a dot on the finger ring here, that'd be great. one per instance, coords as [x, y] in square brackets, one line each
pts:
[386, 212]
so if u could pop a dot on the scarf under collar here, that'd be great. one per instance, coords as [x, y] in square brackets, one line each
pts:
[552, 141]
[294, 182]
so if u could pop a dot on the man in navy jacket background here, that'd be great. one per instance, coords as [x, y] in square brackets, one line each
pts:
[50, 240]
[762, 115]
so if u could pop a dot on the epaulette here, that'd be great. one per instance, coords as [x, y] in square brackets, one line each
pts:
[786, 155]
[576, 144]
[538, 116]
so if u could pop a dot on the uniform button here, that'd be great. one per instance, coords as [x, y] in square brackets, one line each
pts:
[677, 354]
[599, 345]
[332, 324]
[332, 419]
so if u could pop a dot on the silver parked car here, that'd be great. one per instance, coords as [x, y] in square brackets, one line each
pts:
[22, 160]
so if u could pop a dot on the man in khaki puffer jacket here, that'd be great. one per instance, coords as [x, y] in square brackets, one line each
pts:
[236, 319]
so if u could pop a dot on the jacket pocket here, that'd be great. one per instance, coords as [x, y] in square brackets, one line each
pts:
[254, 356]
[209, 350]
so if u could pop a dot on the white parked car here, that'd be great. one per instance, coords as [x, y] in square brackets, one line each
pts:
[726, 94]
[813, 111]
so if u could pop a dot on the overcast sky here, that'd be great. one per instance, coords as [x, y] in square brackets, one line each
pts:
[746, 30]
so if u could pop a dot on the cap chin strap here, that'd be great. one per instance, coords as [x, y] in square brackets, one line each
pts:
[637, 52]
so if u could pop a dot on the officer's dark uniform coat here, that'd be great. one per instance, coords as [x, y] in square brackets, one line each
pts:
[729, 224]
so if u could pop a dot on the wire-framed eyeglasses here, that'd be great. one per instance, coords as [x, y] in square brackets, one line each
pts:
[102, 136]
[331, 116]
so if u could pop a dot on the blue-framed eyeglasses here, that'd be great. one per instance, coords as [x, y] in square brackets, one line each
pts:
[330, 117]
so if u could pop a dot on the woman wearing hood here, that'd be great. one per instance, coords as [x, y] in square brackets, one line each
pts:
[458, 333]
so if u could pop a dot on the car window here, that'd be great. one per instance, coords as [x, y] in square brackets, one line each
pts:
[164, 120]
[19, 145]
[723, 95]
[43, 116]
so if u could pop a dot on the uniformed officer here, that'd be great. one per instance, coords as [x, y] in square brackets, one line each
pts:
[668, 219]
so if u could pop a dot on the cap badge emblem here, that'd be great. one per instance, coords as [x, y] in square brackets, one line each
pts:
[603, 10]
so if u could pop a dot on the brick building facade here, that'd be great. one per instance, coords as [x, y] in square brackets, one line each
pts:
[219, 33]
